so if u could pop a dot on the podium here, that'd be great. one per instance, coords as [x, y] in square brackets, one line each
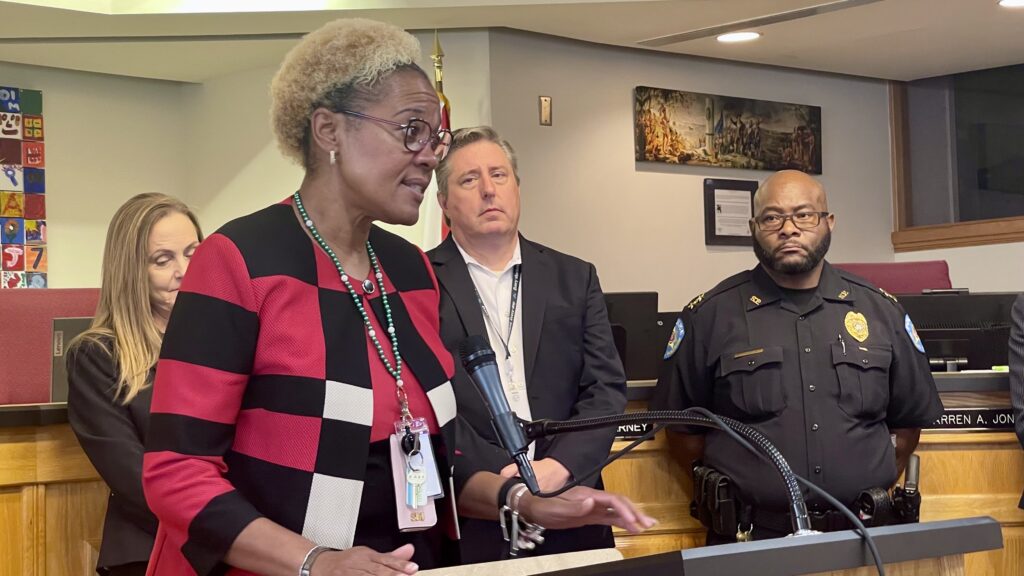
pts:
[908, 549]
[933, 548]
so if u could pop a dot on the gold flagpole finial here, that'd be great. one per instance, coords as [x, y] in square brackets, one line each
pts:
[438, 53]
[437, 57]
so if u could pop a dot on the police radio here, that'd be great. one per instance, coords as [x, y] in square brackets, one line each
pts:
[875, 507]
[907, 500]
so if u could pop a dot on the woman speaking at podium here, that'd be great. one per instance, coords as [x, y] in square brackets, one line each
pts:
[303, 418]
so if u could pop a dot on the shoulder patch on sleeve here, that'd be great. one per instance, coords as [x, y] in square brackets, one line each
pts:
[908, 325]
[678, 332]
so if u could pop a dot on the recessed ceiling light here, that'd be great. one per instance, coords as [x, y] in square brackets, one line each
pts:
[739, 37]
[1011, 3]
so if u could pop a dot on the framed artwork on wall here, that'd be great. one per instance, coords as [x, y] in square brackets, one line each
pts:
[675, 127]
[22, 189]
[728, 208]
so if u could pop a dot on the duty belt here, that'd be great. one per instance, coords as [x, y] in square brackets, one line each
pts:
[821, 520]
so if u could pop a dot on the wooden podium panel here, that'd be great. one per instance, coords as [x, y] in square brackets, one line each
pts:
[655, 481]
[52, 503]
[963, 474]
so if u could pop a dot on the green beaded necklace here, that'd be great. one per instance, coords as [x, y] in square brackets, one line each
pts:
[396, 370]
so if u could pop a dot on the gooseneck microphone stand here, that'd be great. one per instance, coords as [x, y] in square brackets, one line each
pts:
[693, 417]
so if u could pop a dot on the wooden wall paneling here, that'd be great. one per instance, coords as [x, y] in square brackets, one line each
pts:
[16, 539]
[51, 502]
[36, 507]
[73, 518]
[962, 475]
[59, 457]
[652, 478]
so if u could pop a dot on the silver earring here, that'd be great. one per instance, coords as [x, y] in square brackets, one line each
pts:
[334, 157]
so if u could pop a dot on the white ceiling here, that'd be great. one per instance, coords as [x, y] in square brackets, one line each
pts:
[167, 39]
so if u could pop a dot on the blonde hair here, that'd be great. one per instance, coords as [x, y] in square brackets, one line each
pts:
[124, 314]
[346, 53]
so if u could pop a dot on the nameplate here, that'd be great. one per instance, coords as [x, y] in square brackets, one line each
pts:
[975, 419]
[632, 431]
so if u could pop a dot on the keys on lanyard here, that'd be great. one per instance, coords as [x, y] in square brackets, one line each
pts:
[415, 470]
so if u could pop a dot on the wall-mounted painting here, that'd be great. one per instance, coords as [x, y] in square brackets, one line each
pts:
[707, 130]
[22, 189]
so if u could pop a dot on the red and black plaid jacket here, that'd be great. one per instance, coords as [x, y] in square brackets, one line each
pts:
[268, 388]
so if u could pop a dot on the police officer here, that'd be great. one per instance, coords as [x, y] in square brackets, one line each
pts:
[824, 364]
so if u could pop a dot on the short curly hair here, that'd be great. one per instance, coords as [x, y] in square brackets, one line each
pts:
[342, 55]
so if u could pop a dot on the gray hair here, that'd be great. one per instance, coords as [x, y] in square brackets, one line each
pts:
[464, 137]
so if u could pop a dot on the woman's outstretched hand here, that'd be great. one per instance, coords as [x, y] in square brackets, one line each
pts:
[581, 506]
[363, 561]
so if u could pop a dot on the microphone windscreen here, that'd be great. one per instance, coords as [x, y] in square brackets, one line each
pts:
[474, 351]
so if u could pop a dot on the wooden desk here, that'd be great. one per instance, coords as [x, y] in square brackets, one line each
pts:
[963, 474]
[52, 503]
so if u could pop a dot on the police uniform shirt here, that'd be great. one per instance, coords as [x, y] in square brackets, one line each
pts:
[825, 380]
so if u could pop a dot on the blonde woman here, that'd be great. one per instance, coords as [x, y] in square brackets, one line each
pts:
[110, 367]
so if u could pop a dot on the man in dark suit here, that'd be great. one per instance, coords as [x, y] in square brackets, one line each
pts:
[1017, 369]
[545, 317]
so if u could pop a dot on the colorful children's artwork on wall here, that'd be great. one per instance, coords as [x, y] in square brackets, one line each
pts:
[35, 206]
[35, 258]
[13, 280]
[12, 204]
[23, 250]
[33, 154]
[13, 176]
[10, 125]
[12, 231]
[13, 257]
[35, 231]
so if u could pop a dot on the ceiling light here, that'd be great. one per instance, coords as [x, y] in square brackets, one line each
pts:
[739, 37]
[1011, 3]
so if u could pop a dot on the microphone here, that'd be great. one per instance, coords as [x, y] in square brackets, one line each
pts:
[912, 475]
[478, 359]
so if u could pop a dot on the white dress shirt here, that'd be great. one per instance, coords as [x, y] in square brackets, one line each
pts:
[495, 290]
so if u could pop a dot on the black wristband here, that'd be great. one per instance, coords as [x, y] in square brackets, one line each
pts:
[503, 493]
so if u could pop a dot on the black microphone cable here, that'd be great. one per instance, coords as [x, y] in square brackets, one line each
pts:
[543, 428]
[692, 416]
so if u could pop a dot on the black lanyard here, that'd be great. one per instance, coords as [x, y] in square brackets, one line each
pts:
[516, 276]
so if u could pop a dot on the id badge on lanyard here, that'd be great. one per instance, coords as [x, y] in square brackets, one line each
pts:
[415, 474]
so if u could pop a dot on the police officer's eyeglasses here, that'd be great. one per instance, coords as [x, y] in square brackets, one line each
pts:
[418, 134]
[802, 220]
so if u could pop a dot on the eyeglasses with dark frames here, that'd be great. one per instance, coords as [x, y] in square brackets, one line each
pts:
[418, 133]
[802, 220]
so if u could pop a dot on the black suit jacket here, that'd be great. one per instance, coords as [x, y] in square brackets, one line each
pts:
[572, 371]
[1017, 369]
[113, 436]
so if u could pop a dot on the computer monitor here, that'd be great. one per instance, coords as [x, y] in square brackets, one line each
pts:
[969, 331]
[634, 319]
[64, 331]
